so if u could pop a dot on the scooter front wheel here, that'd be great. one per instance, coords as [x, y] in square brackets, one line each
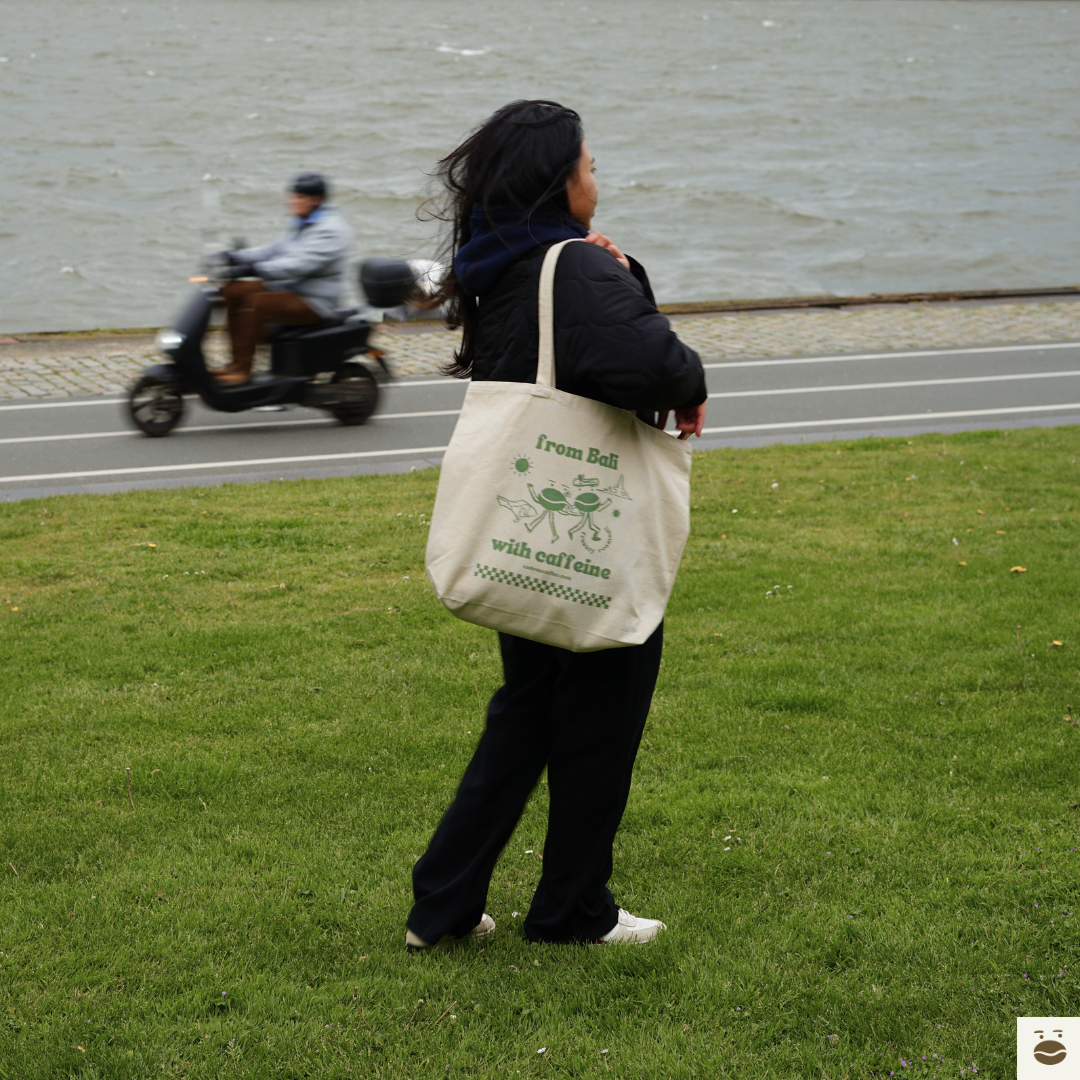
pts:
[155, 405]
[359, 394]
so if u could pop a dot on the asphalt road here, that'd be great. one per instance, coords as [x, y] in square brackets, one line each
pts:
[87, 445]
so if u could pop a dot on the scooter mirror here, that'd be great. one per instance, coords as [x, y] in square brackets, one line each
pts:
[386, 282]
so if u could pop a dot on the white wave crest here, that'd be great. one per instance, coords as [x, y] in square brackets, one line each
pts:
[444, 48]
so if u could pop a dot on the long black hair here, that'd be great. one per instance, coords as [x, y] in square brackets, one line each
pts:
[521, 156]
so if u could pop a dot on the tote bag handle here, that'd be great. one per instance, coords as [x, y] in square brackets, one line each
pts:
[545, 362]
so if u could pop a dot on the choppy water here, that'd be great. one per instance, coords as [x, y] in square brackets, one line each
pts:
[746, 149]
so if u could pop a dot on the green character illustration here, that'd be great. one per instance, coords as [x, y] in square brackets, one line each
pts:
[587, 504]
[618, 489]
[551, 501]
[520, 508]
[584, 504]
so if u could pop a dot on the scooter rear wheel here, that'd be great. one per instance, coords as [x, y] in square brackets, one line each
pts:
[155, 406]
[361, 394]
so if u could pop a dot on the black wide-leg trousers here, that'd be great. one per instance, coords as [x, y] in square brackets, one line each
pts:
[581, 715]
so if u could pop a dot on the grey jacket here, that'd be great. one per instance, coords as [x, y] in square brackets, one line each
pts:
[309, 260]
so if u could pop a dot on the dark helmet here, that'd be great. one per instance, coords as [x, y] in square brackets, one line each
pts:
[311, 183]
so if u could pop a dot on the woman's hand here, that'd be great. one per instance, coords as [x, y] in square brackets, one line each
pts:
[688, 421]
[600, 240]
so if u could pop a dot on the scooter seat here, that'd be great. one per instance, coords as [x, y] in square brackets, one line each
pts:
[292, 333]
[319, 347]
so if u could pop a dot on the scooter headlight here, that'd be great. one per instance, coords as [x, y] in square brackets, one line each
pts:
[168, 340]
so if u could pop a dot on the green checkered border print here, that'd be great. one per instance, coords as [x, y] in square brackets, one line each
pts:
[552, 588]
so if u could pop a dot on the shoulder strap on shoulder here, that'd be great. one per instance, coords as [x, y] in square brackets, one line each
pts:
[545, 363]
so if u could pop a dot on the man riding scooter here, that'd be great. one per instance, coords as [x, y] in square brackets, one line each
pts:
[300, 275]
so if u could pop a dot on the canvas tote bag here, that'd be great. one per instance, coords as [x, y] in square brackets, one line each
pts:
[558, 518]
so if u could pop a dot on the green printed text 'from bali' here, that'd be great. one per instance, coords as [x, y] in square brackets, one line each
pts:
[609, 461]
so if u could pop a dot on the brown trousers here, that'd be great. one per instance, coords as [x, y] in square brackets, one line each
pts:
[251, 307]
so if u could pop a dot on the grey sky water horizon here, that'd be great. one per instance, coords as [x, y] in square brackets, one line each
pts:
[745, 149]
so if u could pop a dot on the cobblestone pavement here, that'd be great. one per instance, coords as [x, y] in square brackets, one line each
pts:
[50, 367]
[878, 329]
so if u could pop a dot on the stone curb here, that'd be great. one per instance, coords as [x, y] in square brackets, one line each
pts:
[76, 368]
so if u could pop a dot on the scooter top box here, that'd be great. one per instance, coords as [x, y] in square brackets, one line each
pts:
[386, 282]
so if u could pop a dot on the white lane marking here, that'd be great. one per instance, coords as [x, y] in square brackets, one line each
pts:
[63, 404]
[415, 415]
[444, 381]
[220, 427]
[242, 463]
[893, 355]
[120, 401]
[135, 434]
[403, 384]
[1014, 377]
[895, 385]
[422, 450]
[847, 420]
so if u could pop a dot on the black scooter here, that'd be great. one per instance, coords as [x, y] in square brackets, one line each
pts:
[314, 365]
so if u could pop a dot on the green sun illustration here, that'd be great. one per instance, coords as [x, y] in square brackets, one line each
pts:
[521, 464]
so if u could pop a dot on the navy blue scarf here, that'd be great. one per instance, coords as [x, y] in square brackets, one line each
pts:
[486, 256]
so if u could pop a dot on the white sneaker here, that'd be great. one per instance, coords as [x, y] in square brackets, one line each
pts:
[484, 928]
[631, 928]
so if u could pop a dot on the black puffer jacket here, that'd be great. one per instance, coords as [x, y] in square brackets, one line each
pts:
[611, 344]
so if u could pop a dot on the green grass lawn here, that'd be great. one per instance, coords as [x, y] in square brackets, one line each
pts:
[856, 803]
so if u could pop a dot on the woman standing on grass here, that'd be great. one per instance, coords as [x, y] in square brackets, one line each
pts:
[522, 181]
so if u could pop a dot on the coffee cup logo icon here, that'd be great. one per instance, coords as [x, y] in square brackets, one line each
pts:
[1049, 1051]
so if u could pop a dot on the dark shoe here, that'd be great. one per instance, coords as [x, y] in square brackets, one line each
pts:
[232, 378]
